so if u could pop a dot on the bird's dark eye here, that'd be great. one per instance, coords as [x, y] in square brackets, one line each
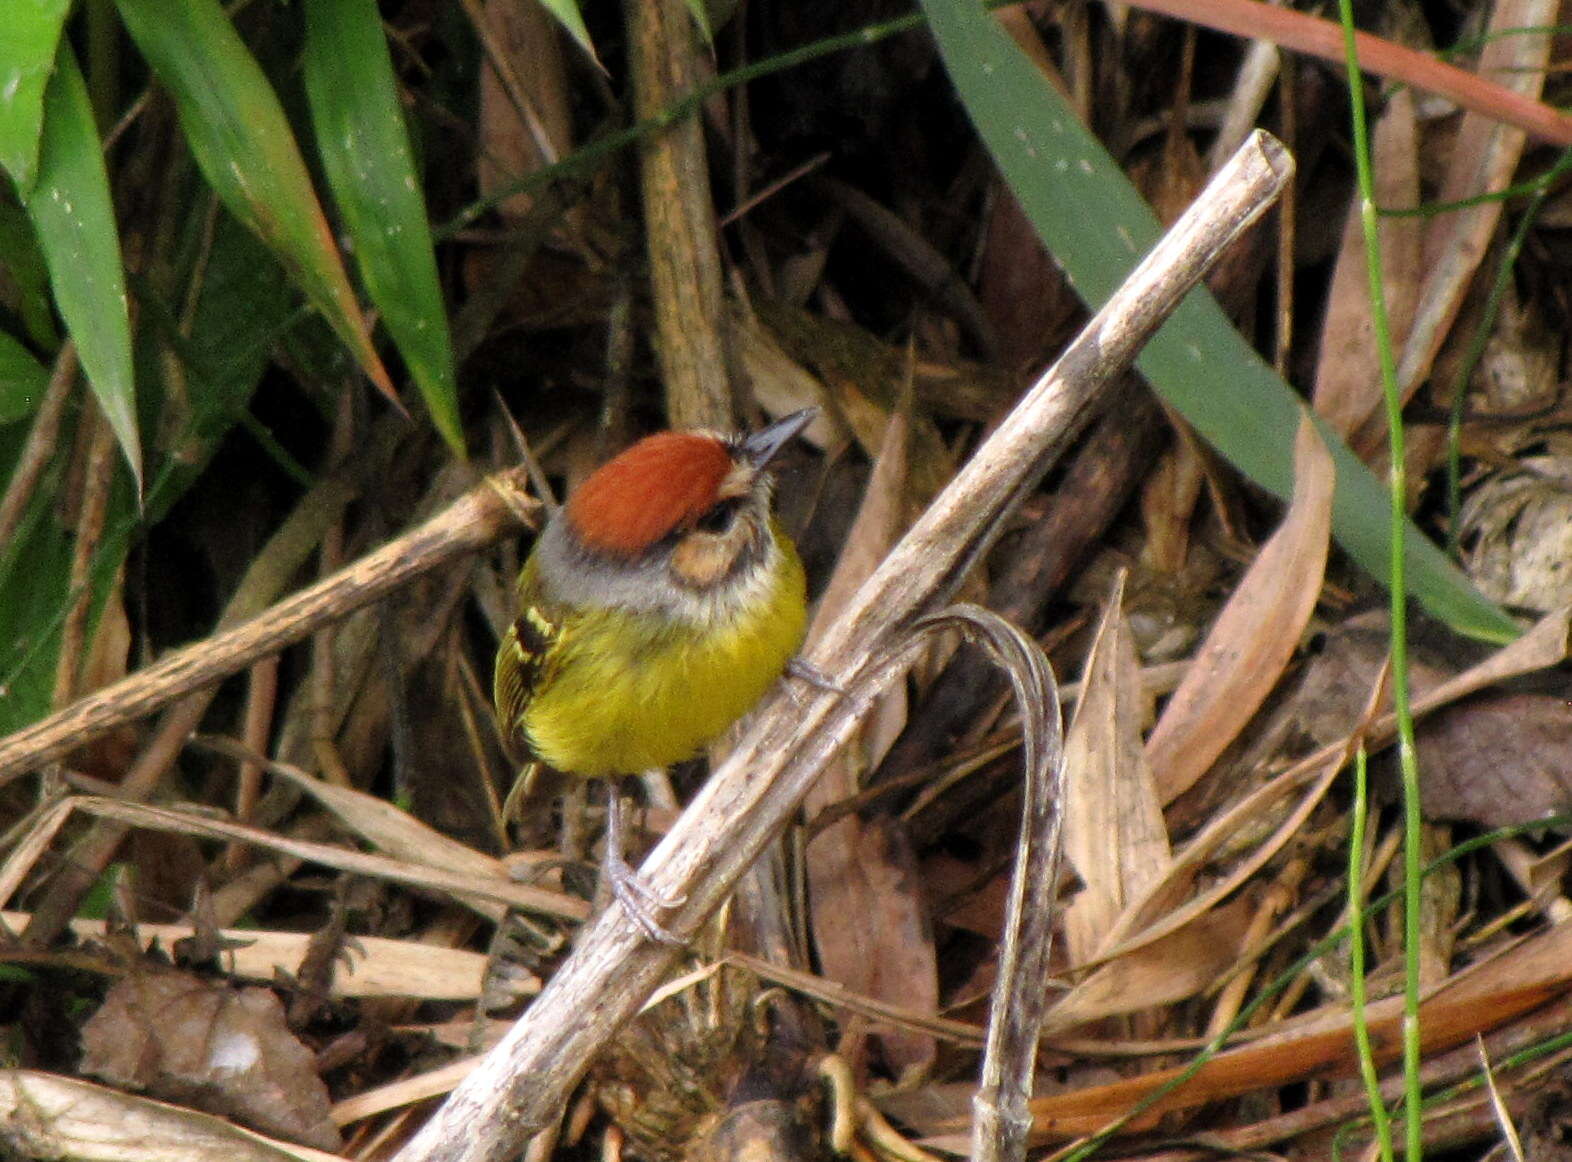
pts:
[719, 518]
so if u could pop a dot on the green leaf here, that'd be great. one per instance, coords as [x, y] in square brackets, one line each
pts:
[243, 145]
[566, 13]
[243, 306]
[1097, 226]
[365, 152]
[27, 55]
[22, 380]
[700, 11]
[24, 262]
[35, 582]
[242, 312]
[75, 222]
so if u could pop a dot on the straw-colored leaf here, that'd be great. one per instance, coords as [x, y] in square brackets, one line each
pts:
[1113, 823]
[1254, 636]
[1178, 966]
[50, 1116]
[373, 966]
[1348, 372]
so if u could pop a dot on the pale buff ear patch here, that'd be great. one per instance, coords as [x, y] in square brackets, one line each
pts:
[703, 561]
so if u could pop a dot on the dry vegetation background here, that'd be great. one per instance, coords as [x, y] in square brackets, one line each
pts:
[273, 942]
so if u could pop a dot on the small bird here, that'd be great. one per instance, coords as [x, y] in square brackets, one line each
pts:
[656, 608]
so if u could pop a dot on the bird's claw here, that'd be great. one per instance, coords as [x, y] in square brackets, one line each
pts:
[628, 888]
[805, 671]
[637, 898]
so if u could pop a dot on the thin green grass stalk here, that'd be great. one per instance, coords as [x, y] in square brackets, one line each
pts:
[1444, 1097]
[1533, 186]
[1278, 984]
[1413, 1121]
[1356, 956]
[1476, 352]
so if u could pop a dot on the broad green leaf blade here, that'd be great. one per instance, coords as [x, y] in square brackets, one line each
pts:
[1096, 225]
[365, 152]
[75, 222]
[243, 145]
[22, 380]
[27, 56]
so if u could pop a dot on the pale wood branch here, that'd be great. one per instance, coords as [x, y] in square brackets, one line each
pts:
[483, 515]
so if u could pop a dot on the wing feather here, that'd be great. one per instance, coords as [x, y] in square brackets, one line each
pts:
[524, 660]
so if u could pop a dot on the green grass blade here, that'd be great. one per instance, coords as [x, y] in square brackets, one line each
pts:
[22, 380]
[364, 146]
[1097, 226]
[244, 147]
[27, 56]
[566, 13]
[75, 222]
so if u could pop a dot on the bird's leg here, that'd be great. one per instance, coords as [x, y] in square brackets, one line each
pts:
[804, 670]
[627, 887]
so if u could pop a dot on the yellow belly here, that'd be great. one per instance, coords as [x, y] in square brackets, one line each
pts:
[629, 693]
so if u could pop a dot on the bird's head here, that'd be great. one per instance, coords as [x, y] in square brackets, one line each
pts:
[678, 524]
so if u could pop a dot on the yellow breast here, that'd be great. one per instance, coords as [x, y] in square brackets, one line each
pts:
[631, 691]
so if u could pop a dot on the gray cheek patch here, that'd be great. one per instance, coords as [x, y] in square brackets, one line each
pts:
[572, 575]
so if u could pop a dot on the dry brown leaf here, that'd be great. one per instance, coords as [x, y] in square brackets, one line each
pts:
[1256, 633]
[1168, 906]
[1321, 1044]
[1168, 499]
[1485, 155]
[777, 381]
[1113, 823]
[869, 918]
[1348, 373]
[1335, 685]
[1178, 966]
[226, 1051]
[1498, 760]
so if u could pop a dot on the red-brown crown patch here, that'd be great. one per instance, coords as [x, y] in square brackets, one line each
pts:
[663, 481]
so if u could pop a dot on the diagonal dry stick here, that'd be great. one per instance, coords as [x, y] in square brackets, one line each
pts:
[521, 1083]
[483, 515]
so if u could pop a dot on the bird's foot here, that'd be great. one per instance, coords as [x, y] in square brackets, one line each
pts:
[639, 900]
[805, 671]
[629, 888]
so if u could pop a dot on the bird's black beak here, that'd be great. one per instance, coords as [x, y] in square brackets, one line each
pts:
[761, 447]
